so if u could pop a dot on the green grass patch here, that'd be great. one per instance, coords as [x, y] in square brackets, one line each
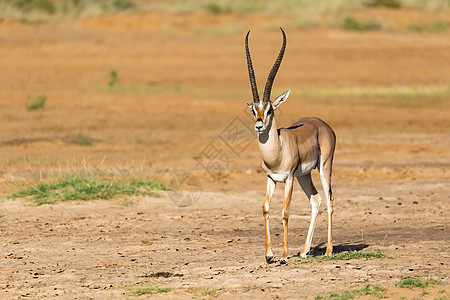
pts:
[36, 103]
[414, 28]
[81, 139]
[126, 203]
[78, 188]
[341, 256]
[217, 8]
[384, 3]
[28, 6]
[202, 292]
[113, 78]
[368, 289]
[150, 290]
[434, 27]
[208, 292]
[118, 5]
[350, 23]
[438, 26]
[412, 282]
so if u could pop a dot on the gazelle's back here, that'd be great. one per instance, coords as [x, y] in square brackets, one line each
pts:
[312, 136]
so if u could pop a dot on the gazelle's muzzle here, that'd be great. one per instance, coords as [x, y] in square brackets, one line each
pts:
[260, 126]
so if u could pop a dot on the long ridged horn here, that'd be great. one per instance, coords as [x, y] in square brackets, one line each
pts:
[251, 73]
[273, 72]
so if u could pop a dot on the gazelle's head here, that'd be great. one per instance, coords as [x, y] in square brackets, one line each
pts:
[263, 109]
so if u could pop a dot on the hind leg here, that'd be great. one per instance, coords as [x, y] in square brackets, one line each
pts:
[285, 215]
[315, 200]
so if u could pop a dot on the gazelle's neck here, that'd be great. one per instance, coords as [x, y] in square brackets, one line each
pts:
[269, 145]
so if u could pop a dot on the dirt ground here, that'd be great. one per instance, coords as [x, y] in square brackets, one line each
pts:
[182, 93]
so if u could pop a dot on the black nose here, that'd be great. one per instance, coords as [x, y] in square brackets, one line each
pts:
[258, 127]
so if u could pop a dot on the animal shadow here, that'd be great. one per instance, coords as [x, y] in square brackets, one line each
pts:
[321, 249]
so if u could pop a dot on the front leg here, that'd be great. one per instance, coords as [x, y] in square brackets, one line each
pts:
[269, 194]
[285, 215]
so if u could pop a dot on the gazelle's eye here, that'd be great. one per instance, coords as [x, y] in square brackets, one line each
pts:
[253, 111]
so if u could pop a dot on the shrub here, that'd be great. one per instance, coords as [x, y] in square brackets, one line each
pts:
[28, 6]
[438, 26]
[82, 140]
[120, 5]
[385, 3]
[37, 103]
[216, 8]
[113, 78]
[371, 25]
[414, 27]
[350, 23]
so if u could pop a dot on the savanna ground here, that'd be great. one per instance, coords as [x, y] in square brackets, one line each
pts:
[179, 92]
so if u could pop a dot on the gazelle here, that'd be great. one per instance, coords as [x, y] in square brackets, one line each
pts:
[289, 153]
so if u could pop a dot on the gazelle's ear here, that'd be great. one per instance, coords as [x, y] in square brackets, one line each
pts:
[249, 105]
[280, 99]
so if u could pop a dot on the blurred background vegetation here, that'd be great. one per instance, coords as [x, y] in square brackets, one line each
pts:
[45, 8]
[358, 15]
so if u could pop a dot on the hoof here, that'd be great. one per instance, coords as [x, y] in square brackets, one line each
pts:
[269, 259]
[304, 252]
[283, 261]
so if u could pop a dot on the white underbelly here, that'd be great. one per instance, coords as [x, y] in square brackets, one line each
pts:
[306, 168]
[279, 177]
[301, 170]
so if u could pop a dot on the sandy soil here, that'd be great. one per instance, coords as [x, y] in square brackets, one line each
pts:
[181, 92]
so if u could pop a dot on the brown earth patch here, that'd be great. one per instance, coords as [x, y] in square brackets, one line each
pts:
[176, 94]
